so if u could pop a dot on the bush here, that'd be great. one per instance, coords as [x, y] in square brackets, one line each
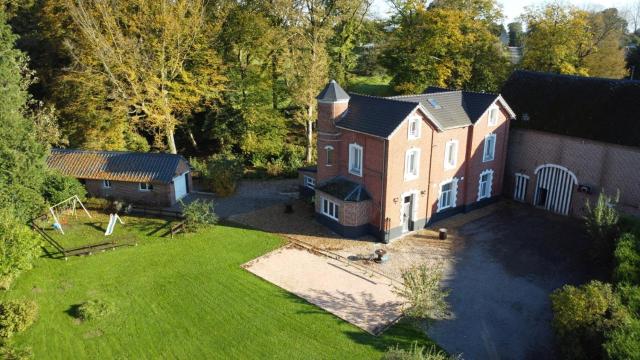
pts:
[19, 247]
[425, 298]
[223, 172]
[94, 309]
[630, 297]
[58, 187]
[417, 353]
[624, 342]
[582, 316]
[16, 316]
[627, 258]
[8, 352]
[601, 223]
[199, 214]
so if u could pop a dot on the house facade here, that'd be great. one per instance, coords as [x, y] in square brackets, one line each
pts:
[573, 138]
[389, 166]
[151, 179]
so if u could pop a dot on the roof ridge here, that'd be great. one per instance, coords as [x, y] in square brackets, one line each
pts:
[387, 98]
[113, 152]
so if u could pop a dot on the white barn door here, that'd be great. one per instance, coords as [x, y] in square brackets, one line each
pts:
[554, 188]
[180, 186]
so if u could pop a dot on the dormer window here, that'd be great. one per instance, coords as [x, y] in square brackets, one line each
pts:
[414, 128]
[493, 116]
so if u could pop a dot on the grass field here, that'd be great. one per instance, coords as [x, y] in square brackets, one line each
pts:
[186, 298]
[377, 85]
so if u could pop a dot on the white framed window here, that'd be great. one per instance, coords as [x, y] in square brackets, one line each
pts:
[520, 190]
[309, 182]
[489, 152]
[145, 186]
[106, 184]
[451, 154]
[329, 152]
[412, 164]
[330, 208]
[493, 116]
[355, 159]
[448, 194]
[414, 128]
[485, 184]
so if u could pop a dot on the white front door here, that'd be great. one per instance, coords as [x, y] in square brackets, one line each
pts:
[406, 213]
[180, 186]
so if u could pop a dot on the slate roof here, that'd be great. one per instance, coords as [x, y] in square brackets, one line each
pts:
[599, 109]
[374, 115]
[344, 189]
[452, 109]
[333, 93]
[117, 166]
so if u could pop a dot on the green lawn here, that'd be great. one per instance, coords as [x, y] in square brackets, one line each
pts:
[185, 298]
[377, 85]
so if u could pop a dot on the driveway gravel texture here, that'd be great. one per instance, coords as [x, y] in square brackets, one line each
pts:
[510, 262]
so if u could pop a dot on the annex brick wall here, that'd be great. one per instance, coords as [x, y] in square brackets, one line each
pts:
[350, 213]
[161, 195]
[600, 165]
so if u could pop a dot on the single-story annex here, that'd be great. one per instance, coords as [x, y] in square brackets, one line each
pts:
[154, 179]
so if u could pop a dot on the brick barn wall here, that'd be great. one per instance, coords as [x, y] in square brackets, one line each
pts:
[161, 195]
[600, 165]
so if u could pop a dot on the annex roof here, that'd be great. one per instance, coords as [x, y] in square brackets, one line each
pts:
[586, 107]
[344, 189]
[117, 165]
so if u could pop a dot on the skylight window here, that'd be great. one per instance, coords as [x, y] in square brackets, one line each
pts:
[434, 103]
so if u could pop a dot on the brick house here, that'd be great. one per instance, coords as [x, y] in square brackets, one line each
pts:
[142, 178]
[391, 165]
[572, 138]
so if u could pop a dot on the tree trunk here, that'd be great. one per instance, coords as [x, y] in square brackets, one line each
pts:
[274, 80]
[192, 139]
[171, 141]
[310, 133]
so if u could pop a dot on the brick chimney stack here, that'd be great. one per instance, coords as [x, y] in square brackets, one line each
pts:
[333, 102]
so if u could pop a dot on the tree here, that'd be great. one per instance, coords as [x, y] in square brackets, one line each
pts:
[153, 56]
[606, 58]
[515, 34]
[632, 14]
[448, 45]
[555, 33]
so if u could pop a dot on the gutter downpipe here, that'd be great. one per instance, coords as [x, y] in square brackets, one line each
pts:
[383, 186]
[429, 207]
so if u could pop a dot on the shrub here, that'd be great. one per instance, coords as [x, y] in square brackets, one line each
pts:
[8, 352]
[199, 214]
[627, 258]
[630, 297]
[624, 342]
[223, 173]
[601, 223]
[94, 309]
[582, 316]
[19, 247]
[16, 316]
[421, 288]
[58, 187]
[417, 353]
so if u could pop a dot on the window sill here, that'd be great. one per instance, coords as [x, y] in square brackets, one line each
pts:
[411, 178]
[487, 160]
[359, 174]
[331, 217]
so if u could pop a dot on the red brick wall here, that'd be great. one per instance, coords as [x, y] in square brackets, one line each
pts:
[161, 195]
[328, 135]
[349, 213]
[599, 165]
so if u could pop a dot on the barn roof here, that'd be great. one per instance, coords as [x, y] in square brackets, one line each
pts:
[117, 165]
[592, 108]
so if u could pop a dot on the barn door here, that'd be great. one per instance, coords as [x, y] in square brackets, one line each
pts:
[554, 187]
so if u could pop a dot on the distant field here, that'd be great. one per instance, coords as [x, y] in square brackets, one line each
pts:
[183, 298]
[371, 85]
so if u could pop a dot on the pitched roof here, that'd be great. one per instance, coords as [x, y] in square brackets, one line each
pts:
[452, 109]
[344, 189]
[117, 166]
[332, 93]
[374, 115]
[592, 108]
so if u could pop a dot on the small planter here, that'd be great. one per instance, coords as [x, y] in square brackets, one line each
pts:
[442, 234]
[381, 255]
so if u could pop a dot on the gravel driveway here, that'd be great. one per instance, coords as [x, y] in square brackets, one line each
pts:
[508, 265]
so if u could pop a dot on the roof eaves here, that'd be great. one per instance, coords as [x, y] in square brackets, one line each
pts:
[362, 132]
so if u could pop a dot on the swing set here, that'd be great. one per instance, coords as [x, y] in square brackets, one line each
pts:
[60, 211]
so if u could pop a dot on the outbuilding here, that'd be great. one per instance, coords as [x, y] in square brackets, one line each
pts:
[154, 179]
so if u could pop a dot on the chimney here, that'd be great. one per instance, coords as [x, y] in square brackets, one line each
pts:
[333, 102]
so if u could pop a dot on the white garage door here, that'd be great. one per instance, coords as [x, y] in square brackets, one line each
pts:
[180, 186]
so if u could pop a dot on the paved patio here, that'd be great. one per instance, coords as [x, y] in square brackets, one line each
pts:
[360, 297]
